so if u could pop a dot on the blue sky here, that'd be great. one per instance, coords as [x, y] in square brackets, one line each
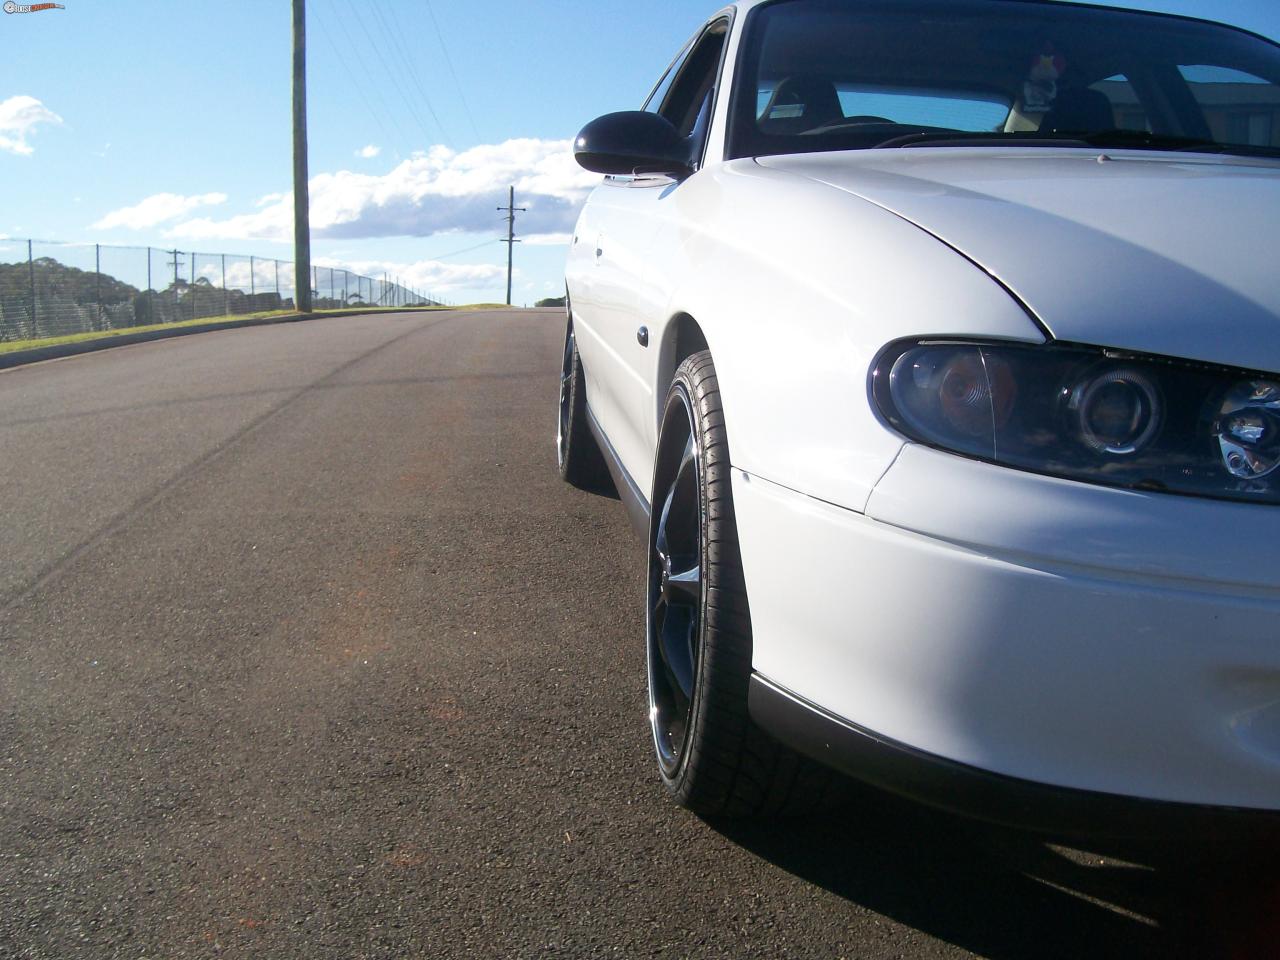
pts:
[188, 104]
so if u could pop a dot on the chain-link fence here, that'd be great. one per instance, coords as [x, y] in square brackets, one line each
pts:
[50, 289]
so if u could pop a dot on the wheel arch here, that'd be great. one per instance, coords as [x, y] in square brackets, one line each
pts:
[682, 337]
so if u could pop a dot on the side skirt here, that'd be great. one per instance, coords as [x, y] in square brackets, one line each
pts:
[629, 492]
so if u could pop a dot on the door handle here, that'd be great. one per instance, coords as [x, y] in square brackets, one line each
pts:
[642, 336]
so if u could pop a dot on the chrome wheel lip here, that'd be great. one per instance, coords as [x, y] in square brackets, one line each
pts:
[670, 584]
[566, 396]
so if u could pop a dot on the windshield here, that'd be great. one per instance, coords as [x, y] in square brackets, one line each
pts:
[830, 75]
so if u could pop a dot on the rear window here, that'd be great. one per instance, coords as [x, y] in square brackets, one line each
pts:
[1238, 106]
[961, 109]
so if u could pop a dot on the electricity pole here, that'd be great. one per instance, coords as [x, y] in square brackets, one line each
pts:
[301, 199]
[511, 240]
[176, 262]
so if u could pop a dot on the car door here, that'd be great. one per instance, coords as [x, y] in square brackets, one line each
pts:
[615, 333]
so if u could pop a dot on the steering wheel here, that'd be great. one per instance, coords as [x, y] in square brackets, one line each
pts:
[852, 123]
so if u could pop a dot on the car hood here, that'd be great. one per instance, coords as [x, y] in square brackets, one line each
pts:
[1155, 252]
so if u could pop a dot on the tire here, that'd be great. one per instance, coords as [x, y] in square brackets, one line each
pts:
[577, 455]
[713, 759]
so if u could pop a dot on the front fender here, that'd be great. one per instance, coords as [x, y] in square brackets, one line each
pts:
[796, 287]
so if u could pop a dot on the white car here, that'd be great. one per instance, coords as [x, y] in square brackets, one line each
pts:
[934, 347]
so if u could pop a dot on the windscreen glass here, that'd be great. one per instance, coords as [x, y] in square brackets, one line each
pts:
[829, 75]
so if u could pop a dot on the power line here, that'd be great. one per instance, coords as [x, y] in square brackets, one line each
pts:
[449, 62]
[386, 45]
[408, 102]
[358, 88]
[398, 53]
[398, 34]
[458, 253]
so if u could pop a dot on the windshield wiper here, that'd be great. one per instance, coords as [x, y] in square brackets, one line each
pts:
[961, 138]
[1120, 139]
[1143, 140]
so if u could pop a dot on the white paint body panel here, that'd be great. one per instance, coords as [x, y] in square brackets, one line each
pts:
[1145, 251]
[794, 316]
[999, 650]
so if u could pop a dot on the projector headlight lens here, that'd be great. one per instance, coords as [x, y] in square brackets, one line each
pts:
[1118, 411]
[1149, 423]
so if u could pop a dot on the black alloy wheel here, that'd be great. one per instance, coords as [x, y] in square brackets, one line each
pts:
[712, 757]
[675, 584]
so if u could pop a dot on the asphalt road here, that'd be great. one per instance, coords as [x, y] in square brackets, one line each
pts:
[306, 652]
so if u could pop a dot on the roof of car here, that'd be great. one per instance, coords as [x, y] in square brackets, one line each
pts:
[746, 5]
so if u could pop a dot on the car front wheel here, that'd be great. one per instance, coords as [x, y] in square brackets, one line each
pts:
[712, 757]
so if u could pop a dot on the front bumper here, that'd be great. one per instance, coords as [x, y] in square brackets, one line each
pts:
[1057, 811]
[1034, 629]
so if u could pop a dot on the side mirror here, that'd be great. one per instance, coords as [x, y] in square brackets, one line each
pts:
[632, 142]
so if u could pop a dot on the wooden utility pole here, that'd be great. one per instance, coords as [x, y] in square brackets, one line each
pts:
[301, 198]
[31, 272]
[176, 262]
[511, 240]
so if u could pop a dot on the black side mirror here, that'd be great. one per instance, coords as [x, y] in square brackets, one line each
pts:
[632, 142]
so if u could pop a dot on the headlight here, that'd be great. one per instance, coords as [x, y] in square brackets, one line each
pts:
[1148, 423]
[1248, 429]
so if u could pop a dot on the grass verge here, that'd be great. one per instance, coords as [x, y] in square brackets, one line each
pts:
[12, 346]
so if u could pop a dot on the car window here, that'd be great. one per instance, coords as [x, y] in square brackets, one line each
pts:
[687, 103]
[966, 110]
[1238, 106]
[1126, 107]
[661, 88]
[829, 75]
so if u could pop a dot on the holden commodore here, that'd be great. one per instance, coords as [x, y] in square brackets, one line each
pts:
[932, 347]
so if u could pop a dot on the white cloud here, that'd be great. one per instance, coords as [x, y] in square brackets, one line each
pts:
[155, 209]
[274, 223]
[549, 239]
[242, 274]
[19, 116]
[369, 152]
[436, 191]
[429, 276]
